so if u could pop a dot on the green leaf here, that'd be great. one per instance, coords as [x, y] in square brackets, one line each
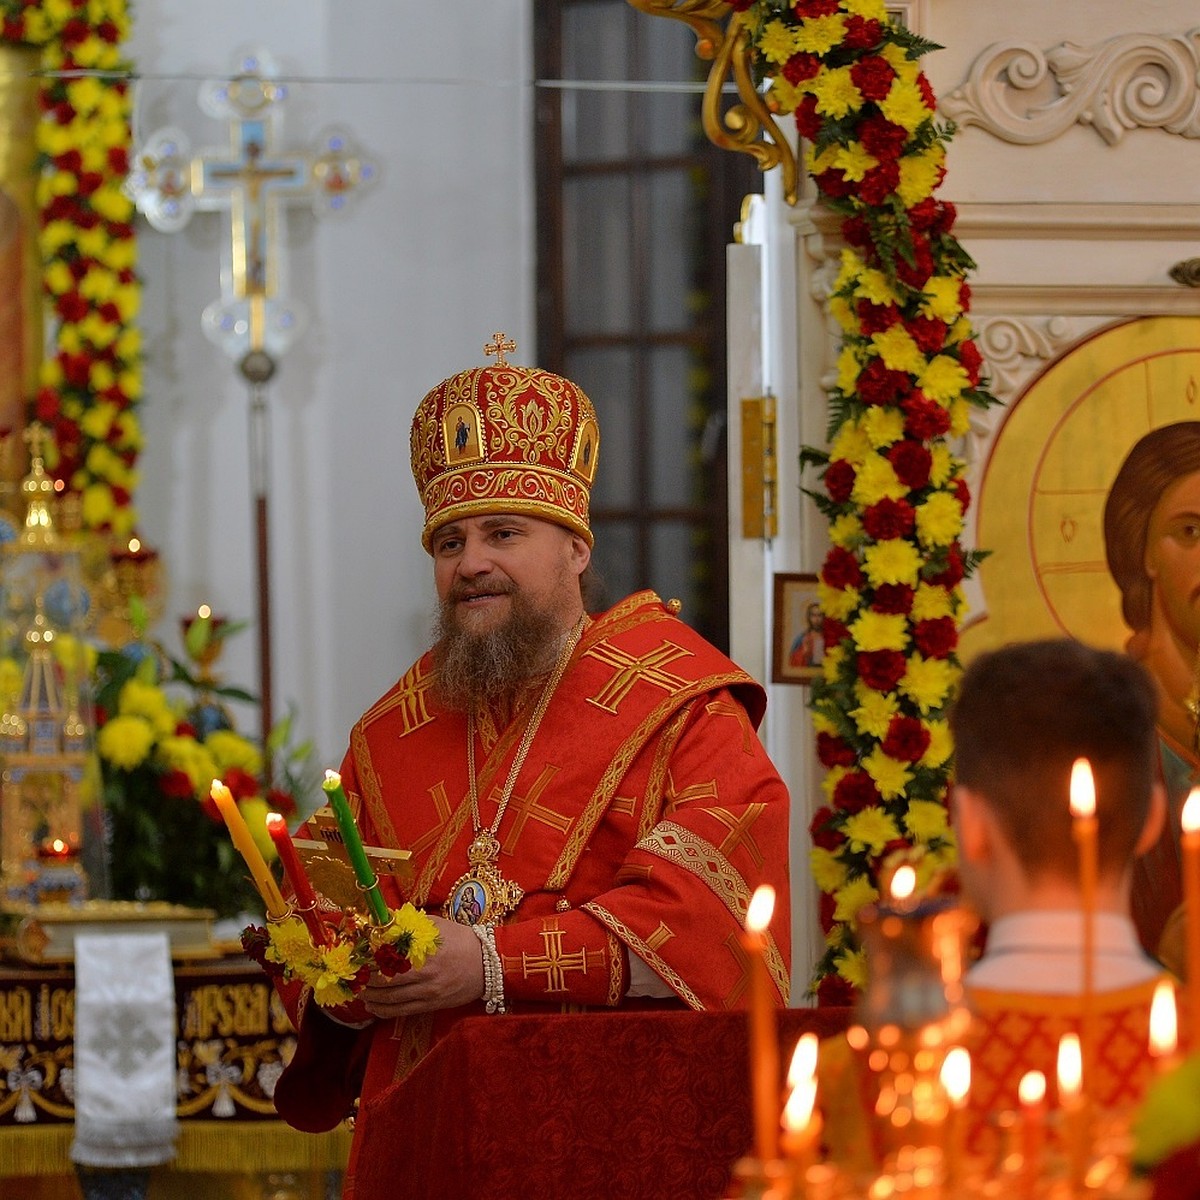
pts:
[197, 636]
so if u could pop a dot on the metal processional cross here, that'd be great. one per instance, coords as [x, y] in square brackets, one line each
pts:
[252, 321]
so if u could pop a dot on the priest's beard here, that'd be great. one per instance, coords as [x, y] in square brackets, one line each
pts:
[479, 668]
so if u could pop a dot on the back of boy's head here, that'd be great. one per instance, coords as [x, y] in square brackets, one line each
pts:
[1025, 713]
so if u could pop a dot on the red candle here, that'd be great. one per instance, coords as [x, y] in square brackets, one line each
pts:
[764, 1039]
[293, 869]
[1191, 899]
[1032, 1094]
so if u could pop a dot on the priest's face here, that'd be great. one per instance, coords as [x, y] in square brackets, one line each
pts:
[508, 587]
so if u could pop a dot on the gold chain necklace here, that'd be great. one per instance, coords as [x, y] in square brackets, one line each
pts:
[481, 895]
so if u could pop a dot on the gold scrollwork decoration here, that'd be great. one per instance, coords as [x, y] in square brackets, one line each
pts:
[748, 126]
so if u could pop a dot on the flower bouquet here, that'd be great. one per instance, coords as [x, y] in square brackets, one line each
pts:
[1166, 1132]
[338, 971]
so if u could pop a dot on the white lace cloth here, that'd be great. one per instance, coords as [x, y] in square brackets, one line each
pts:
[124, 1050]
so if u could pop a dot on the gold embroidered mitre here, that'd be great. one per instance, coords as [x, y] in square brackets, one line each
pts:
[505, 439]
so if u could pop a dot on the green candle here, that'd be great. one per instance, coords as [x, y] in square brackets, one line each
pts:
[354, 847]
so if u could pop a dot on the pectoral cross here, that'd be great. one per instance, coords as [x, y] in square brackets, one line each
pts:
[252, 322]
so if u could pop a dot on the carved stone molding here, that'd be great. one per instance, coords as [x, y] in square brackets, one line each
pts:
[1025, 95]
[1014, 349]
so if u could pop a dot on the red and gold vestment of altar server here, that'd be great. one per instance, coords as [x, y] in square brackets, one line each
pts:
[1011, 1033]
[645, 815]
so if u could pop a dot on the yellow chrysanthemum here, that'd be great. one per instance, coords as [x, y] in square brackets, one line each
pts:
[869, 10]
[941, 297]
[876, 480]
[941, 744]
[819, 35]
[960, 416]
[851, 443]
[424, 933]
[828, 871]
[125, 741]
[904, 105]
[898, 350]
[880, 631]
[288, 942]
[852, 967]
[894, 561]
[831, 664]
[870, 829]
[873, 285]
[837, 603]
[926, 820]
[943, 378]
[820, 160]
[822, 723]
[941, 464]
[337, 968]
[850, 900]
[931, 600]
[846, 531]
[874, 712]
[849, 269]
[185, 754]
[777, 42]
[890, 775]
[928, 682]
[848, 369]
[230, 749]
[854, 162]
[77, 658]
[783, 95]
[939, 519]
[920, 174]
[254, 811]
[883, 425]
[149, 702]
[843, 313]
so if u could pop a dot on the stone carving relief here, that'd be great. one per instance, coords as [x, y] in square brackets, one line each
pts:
[1025, 95]
[1014, 349]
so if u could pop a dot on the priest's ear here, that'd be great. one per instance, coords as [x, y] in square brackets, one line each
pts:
[1156, 818]
[974, 825]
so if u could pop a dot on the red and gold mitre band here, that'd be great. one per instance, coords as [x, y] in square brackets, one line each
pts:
[505, 438]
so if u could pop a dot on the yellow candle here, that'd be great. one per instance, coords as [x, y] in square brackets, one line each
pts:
[1191, 900]
[764, 1043]
[1070, 1102]
[1083, 809]
[1164, 1026]
[956, 1081]
[239, 833]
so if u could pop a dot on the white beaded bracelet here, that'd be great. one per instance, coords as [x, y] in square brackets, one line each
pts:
[493, 970]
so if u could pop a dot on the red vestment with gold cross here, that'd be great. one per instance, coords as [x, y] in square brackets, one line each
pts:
[644, 817]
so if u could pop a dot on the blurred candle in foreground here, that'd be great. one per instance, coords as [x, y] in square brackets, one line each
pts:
[243, 840]
[764, 1042]
[956, 1082]
[1084, 829]
[1031, 1091]
[1190, 820]
[1164, 1025]
[801, 1123]
[1070, 1103]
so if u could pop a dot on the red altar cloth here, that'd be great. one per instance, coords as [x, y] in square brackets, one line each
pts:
[587, 1106]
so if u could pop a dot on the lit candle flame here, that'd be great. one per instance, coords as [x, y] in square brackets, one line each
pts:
[956, 1074]
[1083, 789]
[904, 883]
[804, 1060]
[1190, 817]
[1164, 1021]
[204, 612]
[134, 545]
[762, 904]
[1032, 1088]
[798, 1111]
[333, 779]
[1070, 1066]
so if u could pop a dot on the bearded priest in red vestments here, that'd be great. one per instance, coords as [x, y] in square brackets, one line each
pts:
[586, 800]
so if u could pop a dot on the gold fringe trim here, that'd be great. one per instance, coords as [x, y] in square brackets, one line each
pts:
[230, 1147]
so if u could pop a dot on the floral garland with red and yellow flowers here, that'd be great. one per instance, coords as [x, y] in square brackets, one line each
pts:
[908, 376]
[91, 380]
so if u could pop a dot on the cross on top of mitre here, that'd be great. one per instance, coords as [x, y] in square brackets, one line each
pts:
[254, 181]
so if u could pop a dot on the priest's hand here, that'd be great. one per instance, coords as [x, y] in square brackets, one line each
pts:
[450, 977]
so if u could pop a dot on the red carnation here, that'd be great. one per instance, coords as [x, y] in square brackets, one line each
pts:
[70, 161]
[951, 573]
[835, 992]
[185, 729]
[854, 792]
[741, 5]
[881, 669]
[911, 462]
[801, 67]
[924, 214]
[814, 8]
[889, 519]
[833, 751]
[927, 92]
[76, 369]
[46, 406]
[875, 318]
[962, 493]
[841, 569]
[108, 32]
[893, 598]
[834, 183]
[906, 740]
[390, 961]
[839, 480]
[823, 832]
[280, 801]
[808, 120]
[176, 785]
[241, 783]
[209, 807]
[13, 29]
[118, 160]
[826, 907]
[936, 637]
[881, 138]
[924, 419]
[72, 306]
[964, 295]
[64, 112]
[833, 631]
[873, 77]
[877, 185]
[879, 385]
[857, 231]
[928, 332]
[862, 33]
[74, 32]
[971, 359]
[89, 182]
[918, 272]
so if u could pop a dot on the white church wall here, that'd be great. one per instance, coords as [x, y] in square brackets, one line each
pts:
[400, 292]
